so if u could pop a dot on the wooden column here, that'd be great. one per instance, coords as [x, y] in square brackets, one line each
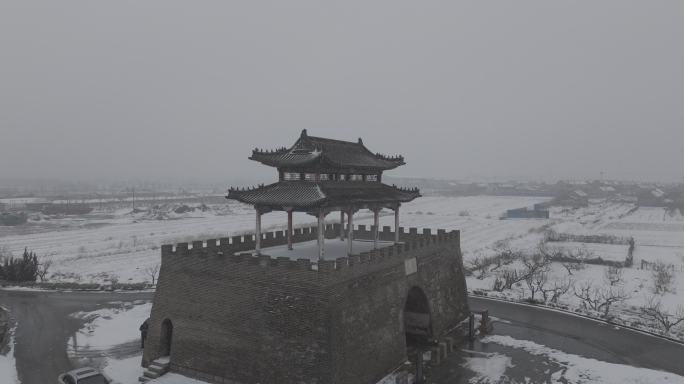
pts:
[289, 229]
[342, 225]
[350, 231]
[376, 223]
[396, 224]
[321, 235]
[258, 232]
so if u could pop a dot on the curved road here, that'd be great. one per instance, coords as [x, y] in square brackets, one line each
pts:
[44, 326]
[582, 336]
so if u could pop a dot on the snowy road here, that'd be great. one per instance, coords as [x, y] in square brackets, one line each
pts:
[44, 325]
[529, 340]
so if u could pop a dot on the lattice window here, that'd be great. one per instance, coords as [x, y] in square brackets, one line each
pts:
[371, 177]
[292, 176]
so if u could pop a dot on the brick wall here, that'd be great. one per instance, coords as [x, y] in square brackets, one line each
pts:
[243, 319]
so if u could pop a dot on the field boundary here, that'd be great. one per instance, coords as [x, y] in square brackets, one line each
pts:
[87, 287]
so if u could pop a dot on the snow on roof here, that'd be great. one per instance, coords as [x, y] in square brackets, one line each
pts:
[580, 193]
[608, 189]
[657, 193]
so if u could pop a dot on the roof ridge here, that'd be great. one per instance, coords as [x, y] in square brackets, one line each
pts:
[315, 138]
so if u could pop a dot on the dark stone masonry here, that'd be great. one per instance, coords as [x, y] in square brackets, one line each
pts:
[225, 316]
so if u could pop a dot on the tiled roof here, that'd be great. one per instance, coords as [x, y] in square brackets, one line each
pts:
[310, 150]
[304, 194]
[296, 194]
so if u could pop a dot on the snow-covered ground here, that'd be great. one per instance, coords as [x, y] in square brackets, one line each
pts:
[120, 245]
[110, 328]
[492, 368]
[110, 340]
[8, 370]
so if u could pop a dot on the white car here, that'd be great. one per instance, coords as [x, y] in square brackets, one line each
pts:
[84, 376]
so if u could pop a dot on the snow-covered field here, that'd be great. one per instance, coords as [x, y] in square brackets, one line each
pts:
[120, 245]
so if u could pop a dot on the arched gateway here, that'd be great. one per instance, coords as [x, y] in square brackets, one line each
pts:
[417, 320]
[292, 306]
[166, 338]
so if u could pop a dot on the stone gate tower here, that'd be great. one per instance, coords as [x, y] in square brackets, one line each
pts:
[301, 306]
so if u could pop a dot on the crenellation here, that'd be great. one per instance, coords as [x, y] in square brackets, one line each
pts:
[264, 260]
[283, 261]
[182, 249]
[342, 263]
[166, 249]
[326, 266]
[234, 248]
[304, 264]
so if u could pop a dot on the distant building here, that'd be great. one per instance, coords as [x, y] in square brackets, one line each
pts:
[575, 198]
[656, 197]
[526, 213]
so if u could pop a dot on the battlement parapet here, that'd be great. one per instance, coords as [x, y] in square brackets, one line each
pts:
[235, 249]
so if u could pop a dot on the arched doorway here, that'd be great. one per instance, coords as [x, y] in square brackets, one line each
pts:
[417, 320]
[166, 337]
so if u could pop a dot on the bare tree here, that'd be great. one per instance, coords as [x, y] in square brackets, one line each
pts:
[479, 264]
[663, 277]
[536, 271]
[557, 289]
[507, 278]
[153, 271]
[44, 267]
[599, 299]
[613, 275]
[664, 320]
[571, 267]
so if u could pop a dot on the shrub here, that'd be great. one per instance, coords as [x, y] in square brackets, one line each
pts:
[20, 269]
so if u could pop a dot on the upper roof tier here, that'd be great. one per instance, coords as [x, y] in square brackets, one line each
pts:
[311, 152]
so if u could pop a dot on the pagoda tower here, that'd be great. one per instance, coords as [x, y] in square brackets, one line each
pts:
[319, 176]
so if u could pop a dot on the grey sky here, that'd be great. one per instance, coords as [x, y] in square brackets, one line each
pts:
[172, 89]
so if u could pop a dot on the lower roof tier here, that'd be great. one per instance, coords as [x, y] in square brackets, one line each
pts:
[306, 195]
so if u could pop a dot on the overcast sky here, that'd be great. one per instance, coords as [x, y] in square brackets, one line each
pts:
[479, 89]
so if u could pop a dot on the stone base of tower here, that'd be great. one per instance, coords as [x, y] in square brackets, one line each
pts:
[227, 317]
